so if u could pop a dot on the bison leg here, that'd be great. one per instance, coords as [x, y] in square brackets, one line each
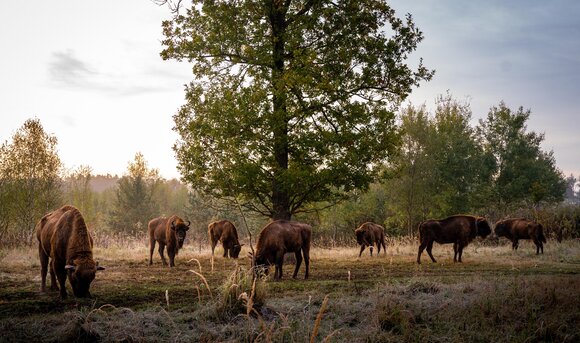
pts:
[298, 263]
[429, 247]
[171, 254]
[539, 246]
[421, 248]
[455, 252]
[61, 275]
[226, 251]
[151, 250]
[362, 248]
[161, 248]
[213, 244]
[515, 244]
[306, 253]
[53, 282]
[460, 249]
[371, 247]
[279, 263]
[43, 267]
[384, 246]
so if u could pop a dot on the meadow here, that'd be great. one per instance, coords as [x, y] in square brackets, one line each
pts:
[496, 294]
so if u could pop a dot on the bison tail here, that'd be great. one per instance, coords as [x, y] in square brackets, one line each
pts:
[419, 228]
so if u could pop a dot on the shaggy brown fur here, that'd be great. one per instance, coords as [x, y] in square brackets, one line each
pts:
[225, 232]
[168, 232]
[280, 237]
[369, 234]
[64, 238]
[515, 229]
[459, 230]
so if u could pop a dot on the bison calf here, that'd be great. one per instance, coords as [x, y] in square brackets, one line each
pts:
[459, 230]
[280, 237]
[519, 228]
[168, 232]
[64, 238]
[225, 232]
[369, 234]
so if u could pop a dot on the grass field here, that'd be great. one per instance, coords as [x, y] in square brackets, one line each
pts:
[495, 295]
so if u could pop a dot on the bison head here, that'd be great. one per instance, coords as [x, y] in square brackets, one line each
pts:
[501, 229]
[235, 252]
[180, 230]
[260, 264]
[359, 237]
[483, 228]
[80, 276]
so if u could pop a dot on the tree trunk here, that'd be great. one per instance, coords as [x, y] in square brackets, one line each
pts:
[279, 121]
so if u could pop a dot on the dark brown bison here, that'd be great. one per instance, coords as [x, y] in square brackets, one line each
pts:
[225, 232]
[278, 238]
[168, 232]
[515, 229]
[64, 238]
[459, 230]
[369, 234]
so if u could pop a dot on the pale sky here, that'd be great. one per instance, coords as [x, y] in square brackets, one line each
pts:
[91, 72]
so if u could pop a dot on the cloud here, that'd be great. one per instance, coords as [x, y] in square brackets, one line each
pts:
[66, 70]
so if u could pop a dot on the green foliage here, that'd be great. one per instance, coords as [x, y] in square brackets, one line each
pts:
[29, 179]
[442, 168]
[292, 103]
[136, 197]
[524, 173]
[77, 191]
[445, 166]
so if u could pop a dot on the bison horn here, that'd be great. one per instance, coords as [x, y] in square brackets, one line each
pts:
[188, 223]
[70, 267]
[100, 268]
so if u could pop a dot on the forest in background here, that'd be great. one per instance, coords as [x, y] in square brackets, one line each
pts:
[444, 166]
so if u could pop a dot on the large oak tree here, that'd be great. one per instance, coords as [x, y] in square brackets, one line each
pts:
[292, 102]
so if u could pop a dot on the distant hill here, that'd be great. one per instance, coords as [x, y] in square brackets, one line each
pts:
[100, 183]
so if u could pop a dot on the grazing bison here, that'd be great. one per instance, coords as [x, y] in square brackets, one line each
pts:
[64, 238]
[368, 234]
[225, 232]
[459, 230]
[519, 228]
[278, 238]
[168, 232]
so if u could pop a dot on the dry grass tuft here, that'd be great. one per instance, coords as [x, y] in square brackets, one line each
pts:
[391, 317]
[318, 319]
[198, 263]
[204, 281]
[241, 293]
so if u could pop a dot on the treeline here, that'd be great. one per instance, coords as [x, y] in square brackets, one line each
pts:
[33, 181]
[445, 165]
[448, 166]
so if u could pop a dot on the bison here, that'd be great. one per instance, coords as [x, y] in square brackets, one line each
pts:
[278, 238]
[168, 232]
[459, 230]
[368, 234]
[63, 238]
[515, 229]
[225, 232]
